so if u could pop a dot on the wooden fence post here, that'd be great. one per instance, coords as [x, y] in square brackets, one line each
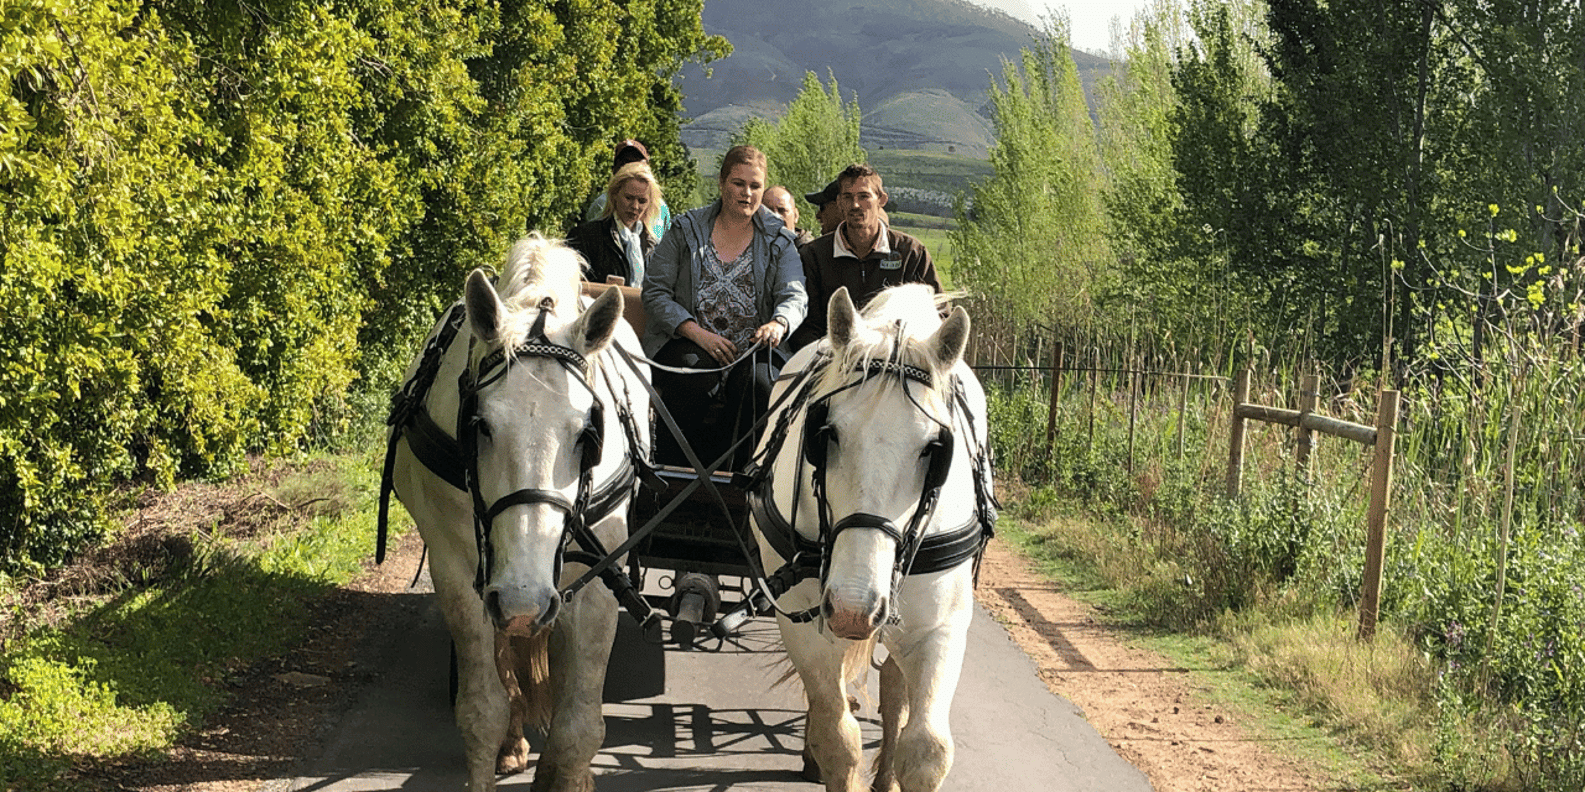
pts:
[1309, 385]
[1095, 373]
[1376, 517]
[1056, 389]
[1235, 454]
[1135, 386]
[1183, 411]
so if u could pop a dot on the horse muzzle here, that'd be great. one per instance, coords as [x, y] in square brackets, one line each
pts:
[855, 617]
[519, 610]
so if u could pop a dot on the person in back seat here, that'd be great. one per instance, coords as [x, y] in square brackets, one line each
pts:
[620, 241]
[725, 278]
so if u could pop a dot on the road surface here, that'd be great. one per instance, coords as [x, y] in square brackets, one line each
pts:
[718, 725]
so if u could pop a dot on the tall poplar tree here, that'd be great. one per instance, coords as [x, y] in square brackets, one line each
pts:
[1033, 243]
[815, 139]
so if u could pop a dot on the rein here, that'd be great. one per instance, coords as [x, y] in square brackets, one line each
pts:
[916, 554]
[456, 461]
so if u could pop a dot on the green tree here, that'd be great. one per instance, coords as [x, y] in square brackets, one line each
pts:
[1136, 105]
[1032, 245]
[225, 221]
[814, 140]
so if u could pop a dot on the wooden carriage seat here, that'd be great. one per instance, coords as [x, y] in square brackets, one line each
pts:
[632, 306]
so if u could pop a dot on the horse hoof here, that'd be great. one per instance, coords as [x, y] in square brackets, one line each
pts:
[556, 782]
[811, 769]
[512, 758]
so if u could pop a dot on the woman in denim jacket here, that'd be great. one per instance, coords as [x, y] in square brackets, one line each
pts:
[725, 278]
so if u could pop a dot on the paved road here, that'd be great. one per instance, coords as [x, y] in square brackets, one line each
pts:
[717, 726]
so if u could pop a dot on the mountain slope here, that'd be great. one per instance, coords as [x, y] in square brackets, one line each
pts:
[921, 69]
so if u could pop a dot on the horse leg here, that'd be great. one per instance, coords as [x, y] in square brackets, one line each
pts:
[923, 755]
[482, 709]
[832, 734]
[894, 712]
[580, 648]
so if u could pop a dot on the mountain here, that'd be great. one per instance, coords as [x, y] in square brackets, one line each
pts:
[921, 68]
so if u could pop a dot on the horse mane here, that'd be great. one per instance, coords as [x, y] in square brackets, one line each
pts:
[917, 307]
[537, 268]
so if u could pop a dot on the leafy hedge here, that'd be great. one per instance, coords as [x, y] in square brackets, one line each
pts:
[225, 220]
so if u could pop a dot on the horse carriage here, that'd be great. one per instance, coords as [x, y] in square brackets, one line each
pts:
[856, 522]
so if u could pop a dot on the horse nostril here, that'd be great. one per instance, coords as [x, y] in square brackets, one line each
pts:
[882, 610]
[826, 608]
[547, 617]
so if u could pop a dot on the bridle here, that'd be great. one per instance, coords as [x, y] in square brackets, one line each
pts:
[819, 435]
[490, 369]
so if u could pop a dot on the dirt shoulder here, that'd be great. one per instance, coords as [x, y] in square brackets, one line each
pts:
[1151, 712]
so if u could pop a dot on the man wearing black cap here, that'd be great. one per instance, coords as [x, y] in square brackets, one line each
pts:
[629, 150]
[862, 253]
[825, 204]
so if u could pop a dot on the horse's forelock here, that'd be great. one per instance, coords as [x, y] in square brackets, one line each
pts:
[537, 268]
[876, 338]
[877, 344]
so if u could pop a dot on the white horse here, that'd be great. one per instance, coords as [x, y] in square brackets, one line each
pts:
[531, 400]
[890, 417]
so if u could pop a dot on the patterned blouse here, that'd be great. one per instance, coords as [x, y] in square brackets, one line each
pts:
[726, 298]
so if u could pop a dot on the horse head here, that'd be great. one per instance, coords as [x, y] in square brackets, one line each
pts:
[534, 424]
[879, 432]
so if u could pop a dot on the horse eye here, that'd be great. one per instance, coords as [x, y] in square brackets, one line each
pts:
[482, 427]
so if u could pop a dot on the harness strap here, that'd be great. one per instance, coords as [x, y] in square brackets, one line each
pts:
[438, 451]
[407, 402]
[863, 520]
[937, 552]
[529, 497]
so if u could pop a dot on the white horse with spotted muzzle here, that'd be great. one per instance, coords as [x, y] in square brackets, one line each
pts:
[513, 448]
[875, 504]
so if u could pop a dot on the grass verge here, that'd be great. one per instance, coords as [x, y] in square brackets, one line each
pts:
[1363, 715]
[119, 660]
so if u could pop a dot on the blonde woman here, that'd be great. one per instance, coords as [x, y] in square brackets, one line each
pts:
[620, 241]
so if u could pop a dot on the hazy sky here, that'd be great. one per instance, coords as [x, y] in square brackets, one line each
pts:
[1092, 19]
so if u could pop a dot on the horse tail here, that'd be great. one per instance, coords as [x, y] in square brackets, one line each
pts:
[856, 662]
[524, 666]
[536, 666]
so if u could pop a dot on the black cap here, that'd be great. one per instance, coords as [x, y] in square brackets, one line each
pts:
[632, 151]
[827, 195]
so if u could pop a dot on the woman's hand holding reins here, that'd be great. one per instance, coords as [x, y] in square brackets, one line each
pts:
[770, 334]
[716, 346]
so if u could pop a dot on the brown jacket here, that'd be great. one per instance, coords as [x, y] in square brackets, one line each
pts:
[824, 273]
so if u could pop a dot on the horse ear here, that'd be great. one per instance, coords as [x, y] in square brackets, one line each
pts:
[484, 307]
[840, 318]
[594, 328]
[947, 345]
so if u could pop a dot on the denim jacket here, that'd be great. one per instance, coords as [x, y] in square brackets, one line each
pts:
[673, 270]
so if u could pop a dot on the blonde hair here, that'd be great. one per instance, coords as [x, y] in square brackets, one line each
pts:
[633, 171]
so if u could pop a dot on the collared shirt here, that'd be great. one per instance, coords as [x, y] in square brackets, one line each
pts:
[829, 264]
[882, 244]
